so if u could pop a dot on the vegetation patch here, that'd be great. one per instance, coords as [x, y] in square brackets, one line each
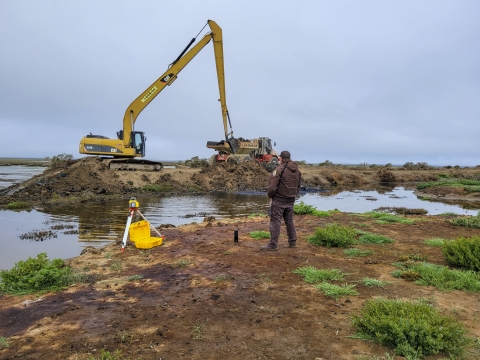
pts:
[260, 235]
[467, 221]
[17, 205]
[401, 210]
[441, 277]
[463, 252]
[303, 209]
[333, 235]
[413, 329]
[384, 218]
[107, 355]
[337, 291]
[369, 238]
[4, 343]
[36, 274]
[370, 282]
[157, 188]
[312, 275]
[354, 252]
[469, 185]
[435, 242]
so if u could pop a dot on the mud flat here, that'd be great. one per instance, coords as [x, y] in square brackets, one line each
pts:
[201, 296]
[89, 179]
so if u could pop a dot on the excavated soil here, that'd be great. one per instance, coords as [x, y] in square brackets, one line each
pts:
[90, 179]
[201, 296]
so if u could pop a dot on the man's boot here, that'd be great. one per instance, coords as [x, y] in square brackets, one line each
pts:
[269, 247]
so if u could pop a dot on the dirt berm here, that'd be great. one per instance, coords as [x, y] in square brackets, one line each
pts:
[89, 178]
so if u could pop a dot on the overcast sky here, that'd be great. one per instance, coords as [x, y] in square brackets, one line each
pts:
[348, 81]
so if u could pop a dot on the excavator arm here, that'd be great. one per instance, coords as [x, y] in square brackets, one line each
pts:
[169, 76]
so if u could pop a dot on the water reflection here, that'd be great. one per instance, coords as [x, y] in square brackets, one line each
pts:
[97, 223]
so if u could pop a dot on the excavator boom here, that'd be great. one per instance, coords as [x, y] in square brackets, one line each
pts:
[130, 143]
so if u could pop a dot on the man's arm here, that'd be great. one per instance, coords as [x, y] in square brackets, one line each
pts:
[299, 181]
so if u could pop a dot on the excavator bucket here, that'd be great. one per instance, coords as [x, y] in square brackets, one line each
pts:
[234, 145]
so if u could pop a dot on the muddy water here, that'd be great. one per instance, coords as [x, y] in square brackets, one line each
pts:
[67, 229]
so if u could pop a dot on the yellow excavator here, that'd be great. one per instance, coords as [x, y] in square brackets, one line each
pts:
[130, 144]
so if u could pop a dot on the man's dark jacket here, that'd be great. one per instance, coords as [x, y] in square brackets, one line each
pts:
[286, 186]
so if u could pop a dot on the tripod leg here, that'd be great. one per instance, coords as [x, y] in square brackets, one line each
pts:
[129, 221]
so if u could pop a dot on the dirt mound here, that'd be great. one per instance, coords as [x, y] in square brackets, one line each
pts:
[82, 178]
[246, 176]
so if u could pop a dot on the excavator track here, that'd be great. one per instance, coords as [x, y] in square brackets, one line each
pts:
[133, 165]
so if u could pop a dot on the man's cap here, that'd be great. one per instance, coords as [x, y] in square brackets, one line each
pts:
[285, 154]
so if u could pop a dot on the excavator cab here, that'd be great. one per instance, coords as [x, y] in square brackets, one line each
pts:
[138, 143]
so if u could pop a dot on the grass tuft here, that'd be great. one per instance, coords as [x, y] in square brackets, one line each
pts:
[441, 277]
[370, 282]
[383, 218]
[16, 205]
[312, 275]
[4, 343]
[260, 235]
[435, 242]
[336, 291]
[413, 329]
[369, 238]
[333, 235]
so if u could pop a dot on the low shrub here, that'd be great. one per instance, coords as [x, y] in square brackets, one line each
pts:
[312, 275]
[463, 252]
[301, 208]
[61, 160]
[333, 235]
[413, 329]
[35, 274]
[260, 234]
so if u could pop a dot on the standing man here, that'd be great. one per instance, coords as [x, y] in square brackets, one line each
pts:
[283, 187]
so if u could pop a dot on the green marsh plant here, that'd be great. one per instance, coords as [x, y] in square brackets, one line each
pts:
[413, 329]
[312, 275]
[333, 235]
[463, 253]
[337, 291]
[441, 277]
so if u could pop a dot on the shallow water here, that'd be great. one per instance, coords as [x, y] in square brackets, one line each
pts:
[97, 223]
[15, 174]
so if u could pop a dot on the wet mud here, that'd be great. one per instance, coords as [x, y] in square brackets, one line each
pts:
[201, 296]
